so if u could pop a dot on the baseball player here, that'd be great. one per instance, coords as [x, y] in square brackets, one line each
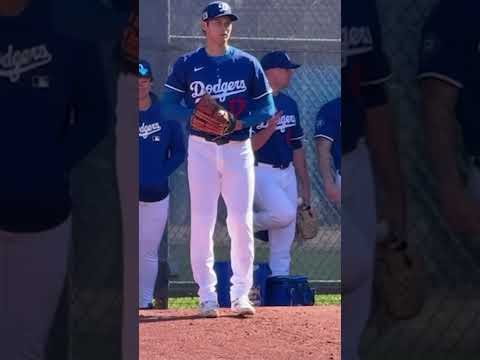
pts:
[44, 78]
[161, 151]
[329, 148]
[279, 156]
[366, 120]
[449, 78]
[220, 165]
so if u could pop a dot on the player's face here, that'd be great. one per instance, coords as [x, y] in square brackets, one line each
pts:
[144, 87]
[287, 76]
[218, 29]
[281, 77]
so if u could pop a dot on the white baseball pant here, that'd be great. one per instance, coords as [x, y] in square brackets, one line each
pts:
[227, 170]
[126, 159]
[358, 247]
[276, 211]
[33, 268]
[152, 218]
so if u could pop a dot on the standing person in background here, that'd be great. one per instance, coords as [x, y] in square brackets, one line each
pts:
[50, 94]
[161, 151]
[368, 147]
[279, 159]
[328, 140]
[449, 79]
[220, 165]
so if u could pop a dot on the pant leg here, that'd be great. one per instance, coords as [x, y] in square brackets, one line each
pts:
[32, 275]
[126, 155]
[281, 239]
[237, 188]
[358, 247]
[273, 205]
[152, 221]
[204, 183]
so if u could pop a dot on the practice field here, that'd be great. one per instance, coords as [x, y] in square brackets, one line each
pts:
[192, 302]
[274, 333]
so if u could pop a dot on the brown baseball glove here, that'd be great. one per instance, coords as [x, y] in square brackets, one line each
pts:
[211, 118]
[307, 223]
[400, 279]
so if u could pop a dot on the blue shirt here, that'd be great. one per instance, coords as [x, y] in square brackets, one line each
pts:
[161, 151]
[328, 126]
[43, 77]
[235, 80]
[278, 150]
[363, 65]
[451, 53]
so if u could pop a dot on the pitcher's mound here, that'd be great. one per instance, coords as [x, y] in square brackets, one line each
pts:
[275, 333]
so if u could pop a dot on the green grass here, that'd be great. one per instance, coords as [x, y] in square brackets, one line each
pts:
[192, 302]
[334, 299]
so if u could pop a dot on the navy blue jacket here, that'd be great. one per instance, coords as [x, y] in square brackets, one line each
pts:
[161, 151]
[44, 79]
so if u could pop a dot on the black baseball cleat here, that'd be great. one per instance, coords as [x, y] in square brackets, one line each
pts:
[262, 235]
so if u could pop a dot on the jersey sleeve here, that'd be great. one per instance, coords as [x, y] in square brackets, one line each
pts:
[177, 80]
[260, 85]
[297, 133]
[447, 45]
[375, 64]
[325, 126]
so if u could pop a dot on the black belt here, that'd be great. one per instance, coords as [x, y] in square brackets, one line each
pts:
[276, 166]
[219, 140]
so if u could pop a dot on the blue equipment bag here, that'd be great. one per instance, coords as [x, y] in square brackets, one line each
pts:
[257, 295]
[289, 291]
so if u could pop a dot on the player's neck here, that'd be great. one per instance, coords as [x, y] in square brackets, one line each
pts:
[13, 7]
[275, 89]
[216, 49]
[144, 103]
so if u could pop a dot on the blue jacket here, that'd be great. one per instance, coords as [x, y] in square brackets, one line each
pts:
[161, 151]
[45, 77]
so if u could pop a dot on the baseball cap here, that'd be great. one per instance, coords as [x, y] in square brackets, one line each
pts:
[216, 9]
[144, 69]
[278, 59]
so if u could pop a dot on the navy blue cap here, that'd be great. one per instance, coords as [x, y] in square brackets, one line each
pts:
[278, 59]
[144, 69]
[216, 9]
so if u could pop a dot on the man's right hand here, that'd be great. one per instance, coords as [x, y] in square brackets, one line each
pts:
[273, 121]
[333, 193]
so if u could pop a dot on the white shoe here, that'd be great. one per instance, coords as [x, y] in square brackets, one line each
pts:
[242, 306]
[208, 309]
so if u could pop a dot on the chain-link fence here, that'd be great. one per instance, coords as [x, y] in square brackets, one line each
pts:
[310, 31]
[448, 326]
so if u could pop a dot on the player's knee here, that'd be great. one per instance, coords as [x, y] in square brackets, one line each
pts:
[285, 216]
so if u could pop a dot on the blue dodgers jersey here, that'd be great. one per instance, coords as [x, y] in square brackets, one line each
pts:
[42, 74]
[234, 80]
[328, 126]
[451, 52]
[161, 151]
[363, 64]
[278, 150]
